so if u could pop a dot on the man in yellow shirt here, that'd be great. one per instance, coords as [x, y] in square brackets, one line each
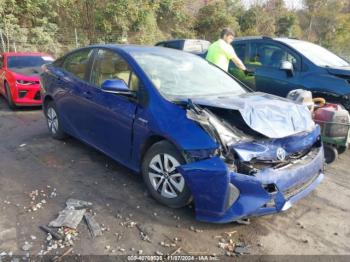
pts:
[221, 52]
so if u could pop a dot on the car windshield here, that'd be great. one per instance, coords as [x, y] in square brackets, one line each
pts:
[27, 61]
[180, 75]
[318, 55]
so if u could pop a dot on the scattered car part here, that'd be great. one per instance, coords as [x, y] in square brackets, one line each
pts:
[68, 218]
[94, 227]
[51, 231]
[72, 203]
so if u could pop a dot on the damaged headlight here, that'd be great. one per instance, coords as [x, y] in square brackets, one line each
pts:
[227, 136]
[217, 129]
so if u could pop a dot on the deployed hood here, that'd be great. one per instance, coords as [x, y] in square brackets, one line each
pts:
[340, 71]
[269, 115]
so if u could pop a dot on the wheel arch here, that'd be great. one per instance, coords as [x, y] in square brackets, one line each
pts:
[6, 82]
[47, 99]
[153, 139]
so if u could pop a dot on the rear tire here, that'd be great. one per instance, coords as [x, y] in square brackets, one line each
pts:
[330, 153]
[53, 121]
[164, 183]
[10, 102]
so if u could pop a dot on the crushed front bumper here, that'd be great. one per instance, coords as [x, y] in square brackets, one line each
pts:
[214, 187]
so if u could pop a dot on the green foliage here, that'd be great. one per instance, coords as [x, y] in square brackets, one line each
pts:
[174, 19]
[59, 25]
[212, 18]
[285, 25]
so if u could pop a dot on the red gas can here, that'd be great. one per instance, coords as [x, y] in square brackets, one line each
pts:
[333, 119]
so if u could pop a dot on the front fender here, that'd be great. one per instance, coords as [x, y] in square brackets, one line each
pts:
[327, 84]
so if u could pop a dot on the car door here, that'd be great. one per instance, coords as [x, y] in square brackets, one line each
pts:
[112, 115]
[265, 59]
[241, 50]
[72, 97]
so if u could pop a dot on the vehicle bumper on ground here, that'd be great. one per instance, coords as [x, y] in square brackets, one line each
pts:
[27, 95]
[221, 195]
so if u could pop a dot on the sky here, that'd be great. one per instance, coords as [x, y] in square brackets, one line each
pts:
[293, 4]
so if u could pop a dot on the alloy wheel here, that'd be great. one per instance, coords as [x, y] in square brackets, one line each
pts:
[164, 177]
[52, 120]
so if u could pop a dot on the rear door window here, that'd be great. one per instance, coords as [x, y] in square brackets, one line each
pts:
[77, 63]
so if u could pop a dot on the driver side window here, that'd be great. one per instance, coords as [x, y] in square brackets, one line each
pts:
[269, 55]
[109, 65]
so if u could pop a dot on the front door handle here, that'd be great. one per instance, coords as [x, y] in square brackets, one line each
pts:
[87, 94]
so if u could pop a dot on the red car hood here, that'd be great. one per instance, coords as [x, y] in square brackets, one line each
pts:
[28, 73]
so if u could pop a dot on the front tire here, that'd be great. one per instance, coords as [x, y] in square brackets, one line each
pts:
[164, 183]
[53, 121]
[10, 102]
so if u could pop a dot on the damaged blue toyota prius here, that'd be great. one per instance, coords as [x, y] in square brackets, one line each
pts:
[193, 131]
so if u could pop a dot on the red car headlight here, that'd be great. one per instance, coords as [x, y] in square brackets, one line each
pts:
[25, 82]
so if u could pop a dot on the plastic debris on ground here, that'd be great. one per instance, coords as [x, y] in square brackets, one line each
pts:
[62, 232]
[68, 218]
[94, 227]
[230, 246]
[77, 204]
[39, 198]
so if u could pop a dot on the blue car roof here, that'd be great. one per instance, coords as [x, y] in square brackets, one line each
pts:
[135, 48]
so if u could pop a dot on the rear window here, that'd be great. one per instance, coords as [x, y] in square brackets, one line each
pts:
[196, 46]
[174, 45]
[27, 61]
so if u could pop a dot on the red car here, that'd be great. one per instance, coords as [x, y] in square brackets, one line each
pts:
[19, 77]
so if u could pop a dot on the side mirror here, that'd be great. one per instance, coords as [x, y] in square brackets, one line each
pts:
[115, 86]
[288, 67]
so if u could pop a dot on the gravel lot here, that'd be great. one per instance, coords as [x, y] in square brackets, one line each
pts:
[30, 160]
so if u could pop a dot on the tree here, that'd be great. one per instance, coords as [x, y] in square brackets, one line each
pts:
[50, 25]
[214, 17]
[322, 19]
[256, 21]
[285, 24]
[174, 19]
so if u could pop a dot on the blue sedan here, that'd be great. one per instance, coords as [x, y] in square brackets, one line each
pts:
[191, 130]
